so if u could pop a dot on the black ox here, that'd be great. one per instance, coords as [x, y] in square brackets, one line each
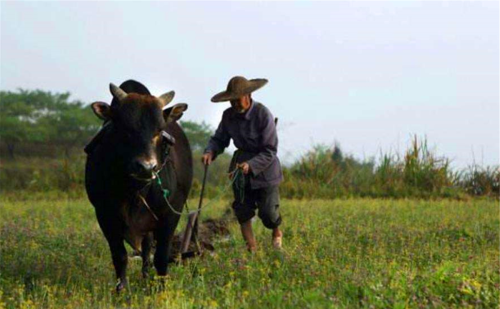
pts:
[131, 149]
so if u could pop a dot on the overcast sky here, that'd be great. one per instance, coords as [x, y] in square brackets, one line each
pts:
[365, 74]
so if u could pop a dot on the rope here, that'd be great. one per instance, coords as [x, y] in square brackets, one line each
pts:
[143, 200]
[237, 174]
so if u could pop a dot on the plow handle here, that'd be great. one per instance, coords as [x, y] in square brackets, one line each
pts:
[191, 232]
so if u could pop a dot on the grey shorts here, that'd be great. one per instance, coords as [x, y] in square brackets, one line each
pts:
[265, 200]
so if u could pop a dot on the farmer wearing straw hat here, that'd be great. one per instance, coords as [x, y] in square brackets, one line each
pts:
[253, 130]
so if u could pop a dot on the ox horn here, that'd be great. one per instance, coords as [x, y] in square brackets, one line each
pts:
[117, 92]
[166, 98]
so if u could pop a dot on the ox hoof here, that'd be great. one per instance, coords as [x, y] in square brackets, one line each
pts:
[121, 285]
[161, 282]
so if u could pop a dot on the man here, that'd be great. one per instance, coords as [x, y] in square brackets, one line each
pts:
[253, 130]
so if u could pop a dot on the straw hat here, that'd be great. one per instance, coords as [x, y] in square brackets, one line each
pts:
[237, 87]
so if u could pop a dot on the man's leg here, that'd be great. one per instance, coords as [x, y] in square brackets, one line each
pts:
[247, 232]
[268, 201]
[244, 209]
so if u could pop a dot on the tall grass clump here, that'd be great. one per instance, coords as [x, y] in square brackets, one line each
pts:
[327, 173]
[481, 181]
[419, 172]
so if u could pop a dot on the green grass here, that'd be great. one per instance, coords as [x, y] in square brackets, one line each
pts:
[340, 253]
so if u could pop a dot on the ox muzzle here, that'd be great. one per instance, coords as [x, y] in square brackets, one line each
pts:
[145, 170]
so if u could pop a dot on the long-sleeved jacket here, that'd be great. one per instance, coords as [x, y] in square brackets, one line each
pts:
[254, 134]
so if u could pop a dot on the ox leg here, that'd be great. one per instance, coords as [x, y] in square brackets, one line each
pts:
[161, 253]
[111, 229]
[146, 252]
[120, 260]
[164, 237]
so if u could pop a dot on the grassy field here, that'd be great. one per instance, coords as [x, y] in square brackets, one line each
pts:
[340, 253]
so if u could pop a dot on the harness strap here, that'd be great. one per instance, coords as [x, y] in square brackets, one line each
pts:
[143, 200]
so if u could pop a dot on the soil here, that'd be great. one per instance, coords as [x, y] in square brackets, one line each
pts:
[209, 230]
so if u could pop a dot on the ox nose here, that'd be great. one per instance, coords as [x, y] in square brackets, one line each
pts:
[143, 170]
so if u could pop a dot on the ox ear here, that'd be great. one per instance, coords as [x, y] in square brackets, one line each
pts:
[175, 112]
[101, 110]
[166, 98]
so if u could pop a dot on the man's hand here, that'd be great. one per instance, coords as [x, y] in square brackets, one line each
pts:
[207, 158]
[244, 167]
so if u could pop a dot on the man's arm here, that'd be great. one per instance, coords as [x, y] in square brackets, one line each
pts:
[219, 141]
[270, 146]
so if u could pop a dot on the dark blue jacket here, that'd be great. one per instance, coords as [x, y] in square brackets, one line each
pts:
[254, 134]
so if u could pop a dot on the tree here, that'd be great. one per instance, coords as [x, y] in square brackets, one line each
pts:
[198, 134]
[18, 118]
[71, 125]
[40, 116]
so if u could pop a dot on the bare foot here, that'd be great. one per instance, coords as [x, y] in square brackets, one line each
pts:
[246, 231]
[277, 238]
[252, 248]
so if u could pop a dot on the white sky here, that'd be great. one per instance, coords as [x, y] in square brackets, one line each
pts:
[366, 74]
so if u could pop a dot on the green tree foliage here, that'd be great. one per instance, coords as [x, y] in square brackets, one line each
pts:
[19, 115]
[197, 133]
[36, 116]
[72, 124]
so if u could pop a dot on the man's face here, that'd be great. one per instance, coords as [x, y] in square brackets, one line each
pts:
[242, 104]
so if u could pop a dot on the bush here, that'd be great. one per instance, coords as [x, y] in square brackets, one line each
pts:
[323, 172]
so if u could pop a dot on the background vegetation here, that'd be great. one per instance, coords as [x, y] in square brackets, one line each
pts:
[43, 134]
